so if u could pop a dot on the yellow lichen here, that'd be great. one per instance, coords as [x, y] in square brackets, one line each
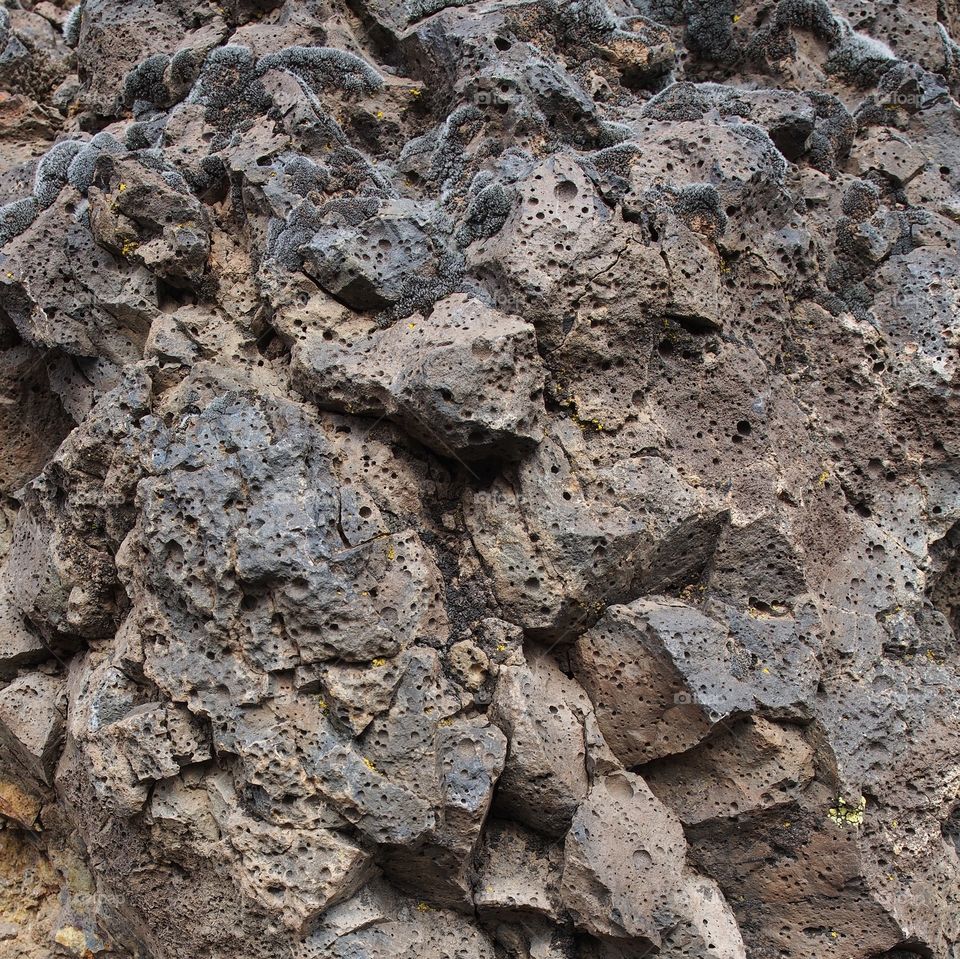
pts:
[693, 592]
[847, 814]
[74, 940]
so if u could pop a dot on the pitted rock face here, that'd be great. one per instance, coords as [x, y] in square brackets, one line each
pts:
[479, 480]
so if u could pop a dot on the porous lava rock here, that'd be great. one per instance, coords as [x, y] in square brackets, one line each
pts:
[479, 480]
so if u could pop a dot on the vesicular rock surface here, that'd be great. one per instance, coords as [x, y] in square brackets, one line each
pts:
[479, 481]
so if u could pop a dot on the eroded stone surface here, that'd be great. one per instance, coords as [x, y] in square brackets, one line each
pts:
[479, 481]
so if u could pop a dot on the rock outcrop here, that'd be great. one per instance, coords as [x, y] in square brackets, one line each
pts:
[479, 480]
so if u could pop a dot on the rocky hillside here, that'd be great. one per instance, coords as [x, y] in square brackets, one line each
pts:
[479, 481]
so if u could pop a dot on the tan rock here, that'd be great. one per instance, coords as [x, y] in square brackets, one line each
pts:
[32, 710]
[519, 873]
[623, 860]
[543, 713]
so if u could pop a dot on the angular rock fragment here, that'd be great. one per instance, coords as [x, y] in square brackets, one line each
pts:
[753, 764]
[543, 713]
[137, 213]
[561, 542]
[662, 675]
[159, 741]
[469, 760]
[520, 873]
[705, 924]
[414, 930]
[33, 421]
[32, 711]
[19, 645]
[623, 860]
[297, 872]
[465, 379]
[340, 261]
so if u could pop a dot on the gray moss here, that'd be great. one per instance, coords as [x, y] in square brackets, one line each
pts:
[144, 84]
[184, 68]
[211, 170]
[230, 84]
[667, 11]
[951, 53]
[80, 171]
[448, 160]
[833, 132]
[813, 16]
[858, 59]
[420, 293]
[709, 34]
[682, 101]
[16, 217]
[861, 200]
[71, 26]
[615, 160]
[323, 68]
[775, 42]
[700, 203]
[351, 210]
[145, 133]
[302, 176]
[51, 175]
[417, 10]
[351, 171]
[585, 20]
[285, 238]
[175, 180]
[488, 211]
[229, 87]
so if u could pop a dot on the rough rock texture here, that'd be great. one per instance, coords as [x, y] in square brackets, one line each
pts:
[479, 481]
